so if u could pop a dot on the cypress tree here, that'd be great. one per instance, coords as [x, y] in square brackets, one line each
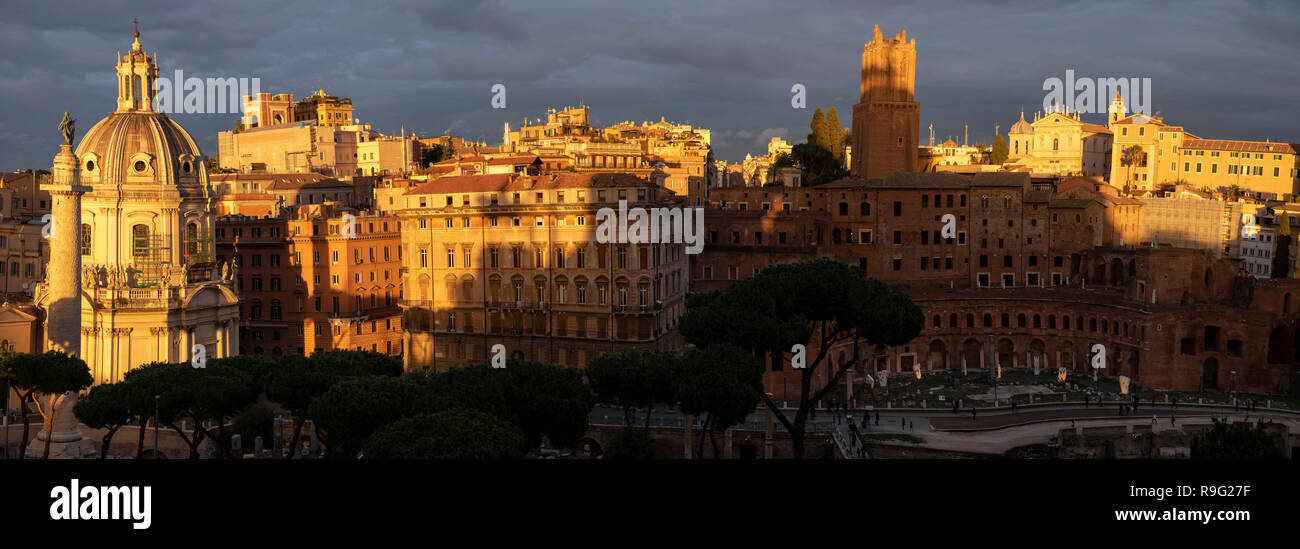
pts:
[834, 134]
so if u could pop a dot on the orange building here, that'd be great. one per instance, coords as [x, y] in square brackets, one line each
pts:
[308, 283]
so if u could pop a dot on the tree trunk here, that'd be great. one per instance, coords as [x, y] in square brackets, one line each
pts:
[713, 441]
[108, 439]
[143, 421]
[191, 442]
[704, 429]
[650, 409]
[49, 425]
[297, 433]
[27, 425]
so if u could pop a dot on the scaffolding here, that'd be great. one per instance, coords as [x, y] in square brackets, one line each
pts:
[151, 259]
[199, 264]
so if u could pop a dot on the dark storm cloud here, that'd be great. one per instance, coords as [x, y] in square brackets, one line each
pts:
[1221, 70]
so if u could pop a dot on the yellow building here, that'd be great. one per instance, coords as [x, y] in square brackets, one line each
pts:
[1269, 169]
[1171, 156]
[515, 260]
[324, 109]
[1059, 143]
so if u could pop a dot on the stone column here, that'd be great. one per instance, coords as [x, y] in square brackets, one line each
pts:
[63, 296]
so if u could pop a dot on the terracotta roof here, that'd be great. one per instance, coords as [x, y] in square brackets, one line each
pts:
[1241, 146]
[515, 182]
[1070, 203]
[1141, 119]
[903, 180]
[513, 160]
[1000, 179]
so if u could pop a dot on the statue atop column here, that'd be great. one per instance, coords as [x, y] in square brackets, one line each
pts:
[69, 128]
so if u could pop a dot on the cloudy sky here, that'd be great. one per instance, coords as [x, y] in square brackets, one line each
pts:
[1222, 71]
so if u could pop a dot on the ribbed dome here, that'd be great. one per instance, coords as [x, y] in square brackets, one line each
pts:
[1021, 126]
[121, 144]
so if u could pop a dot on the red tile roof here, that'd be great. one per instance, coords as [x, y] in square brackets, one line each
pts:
[514, 182]
[1241, 146]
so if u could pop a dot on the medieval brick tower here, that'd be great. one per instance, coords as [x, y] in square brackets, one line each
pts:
[886, 121]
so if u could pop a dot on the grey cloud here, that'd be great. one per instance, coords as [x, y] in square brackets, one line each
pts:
[1226, 71]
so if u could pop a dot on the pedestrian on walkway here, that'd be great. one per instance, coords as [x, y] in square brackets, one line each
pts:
[1153, 400]
[1086, 400]
[909, 426]
[1153, 420]
[972, 411]
[1236, 405]
[1172, 418]
[877, 418]
[1013, 406]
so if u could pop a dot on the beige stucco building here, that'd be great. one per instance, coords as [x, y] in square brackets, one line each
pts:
[515, 260]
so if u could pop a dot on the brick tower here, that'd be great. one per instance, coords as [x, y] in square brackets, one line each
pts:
[886, 121]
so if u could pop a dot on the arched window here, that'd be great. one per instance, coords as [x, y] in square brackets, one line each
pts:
[140, 241]
[1056, 144]
[988, 320]
[192, 239]
[85, 239]
[937, 323]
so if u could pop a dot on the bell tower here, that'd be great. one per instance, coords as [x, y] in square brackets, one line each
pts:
[137, 78]
[1116, 110]
[886, 120]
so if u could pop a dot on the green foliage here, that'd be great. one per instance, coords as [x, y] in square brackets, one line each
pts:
[104, 408]
[819, 129]
[50, 373]
[296, 380]
[1000, 150]
[453, 434]
[354, 409]
[834, 138]
[723, 381]
[436, 153]
[631, 444]
[543, 400]
[550, 401]
[816, 164]
[632, 379]
[819, 303]
[255, 421]
[1235, 441]
[774, 309]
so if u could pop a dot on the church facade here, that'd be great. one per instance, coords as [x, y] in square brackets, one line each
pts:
[141, 251]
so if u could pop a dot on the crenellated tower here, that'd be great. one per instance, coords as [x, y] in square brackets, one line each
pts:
[886, 120]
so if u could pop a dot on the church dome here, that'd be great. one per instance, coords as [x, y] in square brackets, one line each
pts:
[135, 144]
[1021, 126]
